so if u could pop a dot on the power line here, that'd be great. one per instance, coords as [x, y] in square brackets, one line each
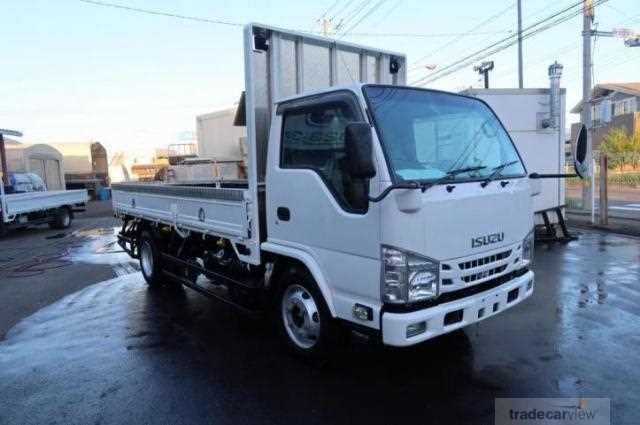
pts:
[159, 13]
[602, 61]
[555, 18]
[615, 9]
[351, 15]
[540, 58]
[344, 33]
[239, 24]
[478, 55]
[426, 35]
[388, 13]
[538, 12]
[331, 7]
[371, 10]
[342, 9]
[508, 30]
[459, 37]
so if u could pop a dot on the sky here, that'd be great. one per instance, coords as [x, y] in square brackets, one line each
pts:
[72, 71]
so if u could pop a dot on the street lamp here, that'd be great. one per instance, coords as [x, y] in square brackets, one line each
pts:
[483, 69]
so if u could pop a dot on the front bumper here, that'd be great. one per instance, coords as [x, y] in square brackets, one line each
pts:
[454, 315]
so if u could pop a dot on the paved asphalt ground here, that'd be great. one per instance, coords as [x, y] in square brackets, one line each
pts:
[624, 209]
[39, 265]
[113, 351]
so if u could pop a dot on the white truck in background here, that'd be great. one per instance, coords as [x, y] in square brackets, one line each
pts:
[56, 208]
[537, 127]
[219, 138]
[222, 151]
[402, 213]
[25, 200]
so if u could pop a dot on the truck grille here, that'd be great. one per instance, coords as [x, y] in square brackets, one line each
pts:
[484, 274]
[484, 261]
[475, 270]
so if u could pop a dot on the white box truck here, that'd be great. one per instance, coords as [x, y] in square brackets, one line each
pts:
[218, 138]
[400, 212]
[537, 127]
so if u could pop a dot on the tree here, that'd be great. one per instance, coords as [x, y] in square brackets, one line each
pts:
[621, 147]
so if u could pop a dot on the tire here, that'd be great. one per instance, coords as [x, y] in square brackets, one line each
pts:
[61, 219]
[149, 259]
[304, 322]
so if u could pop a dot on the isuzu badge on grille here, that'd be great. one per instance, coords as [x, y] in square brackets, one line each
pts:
[487, 239]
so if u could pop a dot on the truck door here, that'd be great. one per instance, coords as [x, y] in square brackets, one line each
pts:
[313, 204]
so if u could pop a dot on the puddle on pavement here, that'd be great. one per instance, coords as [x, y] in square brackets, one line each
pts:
[93, 246]
[590, 294]
[99, 246]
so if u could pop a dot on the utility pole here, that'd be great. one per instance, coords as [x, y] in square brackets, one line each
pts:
[520, 75]
[325, 26]
[587, 19]
[483, 69]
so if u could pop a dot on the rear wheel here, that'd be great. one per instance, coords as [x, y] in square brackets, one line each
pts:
[304, 320]
[61, 219]
[149, 259]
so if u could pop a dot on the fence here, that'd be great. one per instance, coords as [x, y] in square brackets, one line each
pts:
[621, 193]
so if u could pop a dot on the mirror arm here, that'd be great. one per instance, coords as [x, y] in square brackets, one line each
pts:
[385, 192]
[551, 176]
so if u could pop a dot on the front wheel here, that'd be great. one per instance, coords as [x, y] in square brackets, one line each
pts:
[304, 319]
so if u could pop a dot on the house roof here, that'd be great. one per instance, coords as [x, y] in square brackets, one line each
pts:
[601, 90]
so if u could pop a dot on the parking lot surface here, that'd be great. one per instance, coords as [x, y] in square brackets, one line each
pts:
[39, 265]
[117, 352]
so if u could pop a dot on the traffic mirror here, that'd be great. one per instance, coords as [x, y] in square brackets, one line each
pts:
[580, 161]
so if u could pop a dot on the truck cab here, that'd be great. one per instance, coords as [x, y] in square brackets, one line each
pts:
[399, 198]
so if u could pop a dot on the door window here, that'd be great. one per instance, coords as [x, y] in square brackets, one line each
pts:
[313, 138]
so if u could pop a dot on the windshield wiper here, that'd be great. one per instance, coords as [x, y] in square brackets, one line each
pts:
[496, 173]
[415, 184]
[452, 173]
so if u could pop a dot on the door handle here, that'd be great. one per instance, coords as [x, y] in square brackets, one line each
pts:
[284, 214]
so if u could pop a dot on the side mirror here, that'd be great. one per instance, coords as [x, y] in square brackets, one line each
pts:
[536, 187]
[359, 150]
[580, 154]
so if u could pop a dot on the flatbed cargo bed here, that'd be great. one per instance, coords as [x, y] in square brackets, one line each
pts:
[203, 208]
[25, 203]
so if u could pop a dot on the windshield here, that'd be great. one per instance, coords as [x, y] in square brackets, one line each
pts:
[427, 135]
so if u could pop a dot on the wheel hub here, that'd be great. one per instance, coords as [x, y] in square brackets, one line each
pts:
[146, 257]
[300, 316]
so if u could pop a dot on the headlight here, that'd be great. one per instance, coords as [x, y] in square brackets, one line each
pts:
[528, 247]
[408, 277]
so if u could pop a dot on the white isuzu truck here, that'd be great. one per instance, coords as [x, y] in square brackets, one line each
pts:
[400, 212]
